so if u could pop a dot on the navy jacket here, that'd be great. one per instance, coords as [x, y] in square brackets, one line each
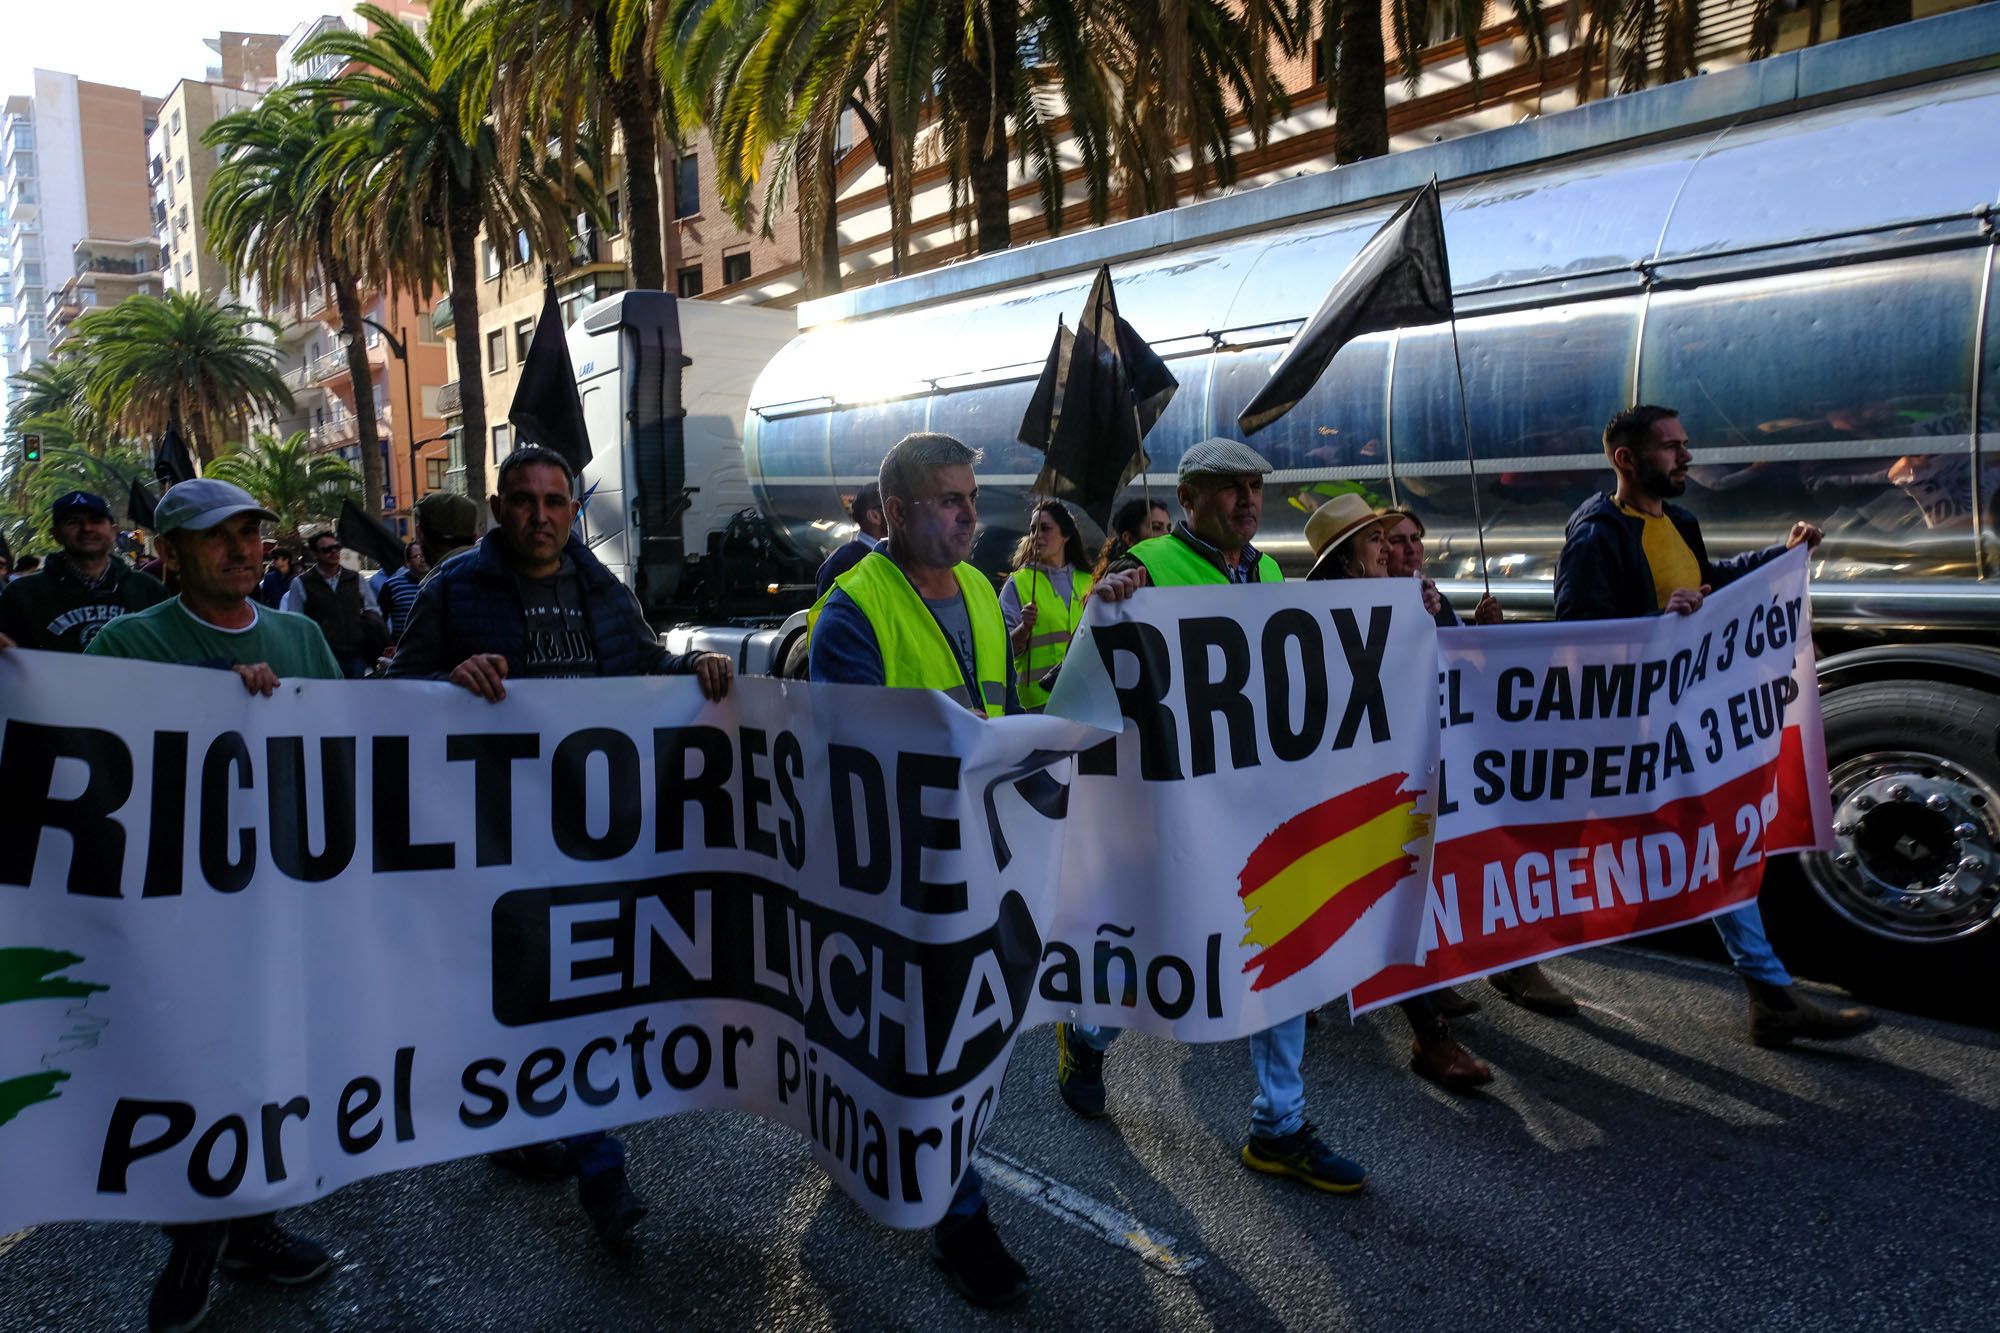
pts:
[472, 604]
[1603, 573]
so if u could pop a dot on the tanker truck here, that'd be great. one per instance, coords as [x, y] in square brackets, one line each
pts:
[1799, 254]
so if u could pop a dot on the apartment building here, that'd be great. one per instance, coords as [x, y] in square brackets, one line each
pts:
[73, 205]
[178, 169]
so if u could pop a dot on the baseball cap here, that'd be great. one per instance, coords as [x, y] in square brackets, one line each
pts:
[200, 504]
[79, 500]
[450, 515]
[1222, 458]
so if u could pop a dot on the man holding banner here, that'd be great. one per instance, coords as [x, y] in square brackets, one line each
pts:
[912, 614]
[1221, 491]
[1632, 554]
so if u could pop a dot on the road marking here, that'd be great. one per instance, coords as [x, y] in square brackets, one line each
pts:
[1100, 1219]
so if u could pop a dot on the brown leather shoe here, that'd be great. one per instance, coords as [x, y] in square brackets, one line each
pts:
[1452, 1002]
[1444, 1062]
[1781, 1014]
[1531, 988]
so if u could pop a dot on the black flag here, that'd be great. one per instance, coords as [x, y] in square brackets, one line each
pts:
[547, 409]
[1400, 278]
[171, 464]
[139, 504]
[364, 534]
[1101, 390]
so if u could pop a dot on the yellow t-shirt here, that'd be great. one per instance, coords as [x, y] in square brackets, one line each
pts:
[1674, 565]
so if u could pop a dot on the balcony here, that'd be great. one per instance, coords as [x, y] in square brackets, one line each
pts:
[449, 404]
[327, 366]
[441, 316]
[315, 302]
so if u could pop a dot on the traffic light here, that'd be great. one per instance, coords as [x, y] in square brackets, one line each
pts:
[31, 448]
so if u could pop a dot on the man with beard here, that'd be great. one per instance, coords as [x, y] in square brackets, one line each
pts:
[1631, 553]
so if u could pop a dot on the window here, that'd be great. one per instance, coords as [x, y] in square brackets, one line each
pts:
[427, 400]
[687, 282]
[496, 352]
[736, 267]
[177, 122]
[489, 260]
[503, 437]
[180, 168]
[428, 331]
[182, 220]
[524, 333]
[687, 186]
[187, 264]
[434, 474]
[523, 252]
[616, 205]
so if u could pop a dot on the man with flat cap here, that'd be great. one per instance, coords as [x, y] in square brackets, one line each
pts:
[60, 607]
[1221, 493]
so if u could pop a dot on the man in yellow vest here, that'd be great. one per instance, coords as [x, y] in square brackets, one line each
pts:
[1222, 494]
[914, 615]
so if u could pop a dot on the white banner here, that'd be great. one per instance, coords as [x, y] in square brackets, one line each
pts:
[1605, 779]
[254, 949]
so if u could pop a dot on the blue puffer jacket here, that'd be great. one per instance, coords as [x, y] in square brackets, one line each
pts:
[471, 604]
[1603, 573]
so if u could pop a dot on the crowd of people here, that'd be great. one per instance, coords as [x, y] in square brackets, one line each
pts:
[899, 606]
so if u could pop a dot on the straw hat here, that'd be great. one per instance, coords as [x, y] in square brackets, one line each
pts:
[1337, 520]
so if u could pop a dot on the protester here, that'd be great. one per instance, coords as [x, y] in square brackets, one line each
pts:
[210, 533]
[1350, 541]
[866, 511]
[530, 602]
[27, 564]
[1403, 536]
[1043, 600]
[399, 591]
[336, 599]
[915, 615]
[81, 588]
[277, 579]
[1221, 492]
[447, 523]
[1631, 553]
[1134, 522]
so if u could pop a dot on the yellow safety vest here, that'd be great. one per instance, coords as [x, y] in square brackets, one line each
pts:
[915, 653]
[1056, 623]
[1172, 563]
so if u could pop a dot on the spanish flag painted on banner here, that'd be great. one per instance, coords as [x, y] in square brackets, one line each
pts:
[1317, 872]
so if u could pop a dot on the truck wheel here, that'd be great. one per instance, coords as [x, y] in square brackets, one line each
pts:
[1904, 908]
[792, 666]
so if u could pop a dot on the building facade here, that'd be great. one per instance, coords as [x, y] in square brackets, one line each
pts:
[178, 169]
[73, 205]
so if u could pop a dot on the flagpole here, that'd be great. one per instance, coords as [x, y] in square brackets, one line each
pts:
[1472, 467]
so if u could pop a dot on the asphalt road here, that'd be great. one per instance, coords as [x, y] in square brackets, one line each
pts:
[1640, 1167]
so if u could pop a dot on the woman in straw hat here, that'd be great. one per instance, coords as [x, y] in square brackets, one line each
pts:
[1347, 538]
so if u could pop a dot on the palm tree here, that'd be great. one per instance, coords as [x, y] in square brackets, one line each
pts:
[298, 483]
[108, 470]
[561, 67]
[1357, 65]
[180, 359]
[272, 216]
[58, 390]
[435, 175]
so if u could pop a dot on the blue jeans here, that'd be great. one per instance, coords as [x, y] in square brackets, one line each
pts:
[1279, 1108]
[593, 1154]
[1749, 947]
[967, 1203]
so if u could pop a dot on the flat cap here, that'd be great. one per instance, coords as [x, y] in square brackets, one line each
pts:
[1218, 457]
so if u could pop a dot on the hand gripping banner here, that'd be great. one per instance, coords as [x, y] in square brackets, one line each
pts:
[1607, 779]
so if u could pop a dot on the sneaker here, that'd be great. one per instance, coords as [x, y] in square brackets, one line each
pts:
[972, 1257]
[537, 1161]
[1301, 1154]
[258, 1247]
[180, 1297]
[1079, 1073]
[609, 1202]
